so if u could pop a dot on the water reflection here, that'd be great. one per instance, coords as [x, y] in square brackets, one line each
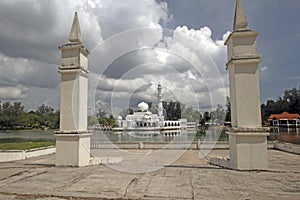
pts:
[25, 136]
[164, 136]
[142, 136]
[290, 135]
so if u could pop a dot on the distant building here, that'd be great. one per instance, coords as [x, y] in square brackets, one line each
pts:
[144, 120]
[284, 119]
[141, 118]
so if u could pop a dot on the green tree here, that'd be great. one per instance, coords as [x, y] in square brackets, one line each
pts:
[12, 115]
[111, 121]
[206, 118]
[192, 115]
[45, 109]
[218, 115]
[92, 120]
[104, 120]
[51, 120]
[172, 110]
[290, 102]
[49, 117]
[33, 120]
[101, 113]
[292, 99]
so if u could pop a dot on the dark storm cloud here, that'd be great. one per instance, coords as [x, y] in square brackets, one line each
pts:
[27, 72]
[28, 29]
[191, 57]
[274, 19]
[34, 33]
[144, 62]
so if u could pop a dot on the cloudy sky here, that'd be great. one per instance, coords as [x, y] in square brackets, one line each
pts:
[135, 44]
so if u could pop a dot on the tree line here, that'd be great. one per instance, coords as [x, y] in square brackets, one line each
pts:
[215, 117]
[102, 118]
[289, 102]
[13, 116]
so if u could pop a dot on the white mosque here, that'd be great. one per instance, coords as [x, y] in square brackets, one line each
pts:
[144, 120]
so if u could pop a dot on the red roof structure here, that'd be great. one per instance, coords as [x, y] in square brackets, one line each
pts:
[284, 115]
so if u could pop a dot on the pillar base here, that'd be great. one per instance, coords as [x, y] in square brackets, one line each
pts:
[73, 148]
[247, 148]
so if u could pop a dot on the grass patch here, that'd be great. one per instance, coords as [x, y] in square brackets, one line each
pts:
[25, 145]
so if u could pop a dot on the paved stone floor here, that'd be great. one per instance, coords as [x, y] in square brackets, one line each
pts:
[187, 178]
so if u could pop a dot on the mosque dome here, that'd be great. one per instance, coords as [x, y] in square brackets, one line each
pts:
[142, 106]
[119, 117]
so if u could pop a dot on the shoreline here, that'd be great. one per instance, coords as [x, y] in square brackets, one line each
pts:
[14, 155]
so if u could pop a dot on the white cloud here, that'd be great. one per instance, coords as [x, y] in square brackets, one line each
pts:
[264, 68]
[189, 62]
[117, 16]
[13, 93]
[162, 56]
[27, 72]
[31, 33]
[191, 75]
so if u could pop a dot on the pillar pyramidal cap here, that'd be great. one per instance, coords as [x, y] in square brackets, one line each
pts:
[240, 21]
[75, 33]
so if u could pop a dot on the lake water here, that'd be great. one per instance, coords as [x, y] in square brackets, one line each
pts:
[183, 135]
[26, 135]
[290, 135]
[281, 134]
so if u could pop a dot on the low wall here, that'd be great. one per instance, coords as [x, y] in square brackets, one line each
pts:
[195, 145]
[12, 155]
[288, 147]
[160, 145]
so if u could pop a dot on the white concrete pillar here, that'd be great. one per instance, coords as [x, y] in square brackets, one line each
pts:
[73, 139]
[247, 138]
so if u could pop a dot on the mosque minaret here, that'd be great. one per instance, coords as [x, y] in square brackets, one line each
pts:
[160, 102]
